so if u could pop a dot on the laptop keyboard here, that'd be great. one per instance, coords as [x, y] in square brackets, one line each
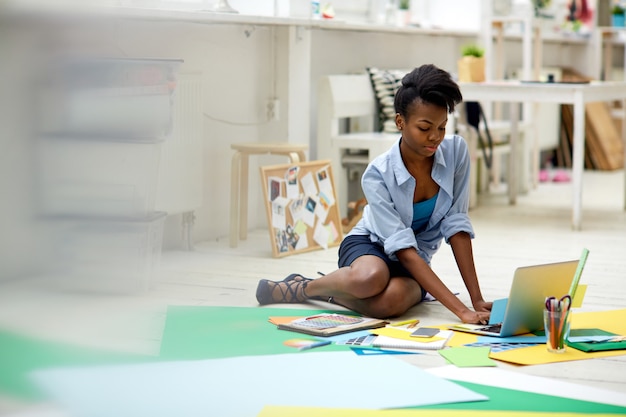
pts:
[492, 328]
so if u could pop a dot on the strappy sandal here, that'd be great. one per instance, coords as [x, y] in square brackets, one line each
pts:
[294, 277]
[291, 292]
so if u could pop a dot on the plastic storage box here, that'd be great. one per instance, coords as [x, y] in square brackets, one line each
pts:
[128, 98]
[119, 256]
[87, 177]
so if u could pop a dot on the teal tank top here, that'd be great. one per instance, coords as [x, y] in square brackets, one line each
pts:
[422, 212]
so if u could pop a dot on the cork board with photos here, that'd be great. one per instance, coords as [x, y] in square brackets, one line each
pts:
[301, 207]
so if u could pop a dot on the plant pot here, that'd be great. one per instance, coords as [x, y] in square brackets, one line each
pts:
[471, 69]
[617, 20]
[404, 17]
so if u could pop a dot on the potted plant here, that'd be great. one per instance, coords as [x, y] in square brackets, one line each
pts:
[404, 14]
[471, 66]
[617, 16]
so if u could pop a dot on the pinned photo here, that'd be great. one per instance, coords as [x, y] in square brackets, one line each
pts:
[293, 189]
[296, 208]
[308, 214]
[308, 184]
[279, 212]
[281, 241]
[274, 187]
[292, 236]
[324, 182]
[323, 206]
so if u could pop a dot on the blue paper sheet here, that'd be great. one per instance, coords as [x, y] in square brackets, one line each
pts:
[241, 386]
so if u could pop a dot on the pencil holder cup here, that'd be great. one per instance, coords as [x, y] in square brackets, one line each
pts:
[556, 325]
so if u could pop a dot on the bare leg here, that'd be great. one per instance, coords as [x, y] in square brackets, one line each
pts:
[367, 288]
[364, 287]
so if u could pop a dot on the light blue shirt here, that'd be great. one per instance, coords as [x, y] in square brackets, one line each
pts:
[388, 187]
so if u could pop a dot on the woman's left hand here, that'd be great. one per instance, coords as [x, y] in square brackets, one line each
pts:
[482, 305]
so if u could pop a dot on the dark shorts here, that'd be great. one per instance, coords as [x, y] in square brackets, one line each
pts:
[354, 246]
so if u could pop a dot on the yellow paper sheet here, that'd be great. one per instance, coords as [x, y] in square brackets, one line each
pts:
[577, 302]
[283, 411]
[612, 321]
[459, 338]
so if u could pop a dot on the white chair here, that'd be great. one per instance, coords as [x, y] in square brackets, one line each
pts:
[487, 175]
[348, 98]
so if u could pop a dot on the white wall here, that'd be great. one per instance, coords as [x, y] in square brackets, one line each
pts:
[243, 65]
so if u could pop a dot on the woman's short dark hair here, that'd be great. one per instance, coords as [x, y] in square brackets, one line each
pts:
[429, 84]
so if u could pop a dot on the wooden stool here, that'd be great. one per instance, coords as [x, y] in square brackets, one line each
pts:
[239, 179]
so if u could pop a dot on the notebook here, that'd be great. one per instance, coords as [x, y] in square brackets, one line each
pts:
[523, 310]
[387, 342]
[615, 343]
[329, 324]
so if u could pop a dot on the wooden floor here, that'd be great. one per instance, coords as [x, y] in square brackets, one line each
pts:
[536, 230]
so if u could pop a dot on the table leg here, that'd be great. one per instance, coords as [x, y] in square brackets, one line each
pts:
[513, 154]
[624, 142]
[535, 151]
[578, 160]
[234, 199]
[243, 197]
[340, 177]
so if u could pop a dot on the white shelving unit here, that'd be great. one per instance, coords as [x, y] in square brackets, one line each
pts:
[98, 169]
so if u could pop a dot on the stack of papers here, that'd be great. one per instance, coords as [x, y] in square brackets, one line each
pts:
[394, 338]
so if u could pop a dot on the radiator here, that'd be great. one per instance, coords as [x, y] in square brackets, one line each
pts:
[180, 179]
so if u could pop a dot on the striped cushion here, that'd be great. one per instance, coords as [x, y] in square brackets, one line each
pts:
[385, 84]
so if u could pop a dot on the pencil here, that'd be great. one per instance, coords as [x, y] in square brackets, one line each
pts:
[403, 322]
[316, 344]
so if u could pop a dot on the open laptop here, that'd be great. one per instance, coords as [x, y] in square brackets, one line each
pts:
[523, 310]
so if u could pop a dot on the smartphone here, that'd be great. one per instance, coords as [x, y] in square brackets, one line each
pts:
[425, 332]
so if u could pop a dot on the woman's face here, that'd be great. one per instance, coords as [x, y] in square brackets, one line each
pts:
[424, 128]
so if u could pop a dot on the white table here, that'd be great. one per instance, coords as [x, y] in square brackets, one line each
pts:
[517, 92]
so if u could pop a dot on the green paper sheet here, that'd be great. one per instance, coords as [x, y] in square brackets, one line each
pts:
[513, 400]
[468, 356]
[596, 346]
[221, 332]
[22, 354]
